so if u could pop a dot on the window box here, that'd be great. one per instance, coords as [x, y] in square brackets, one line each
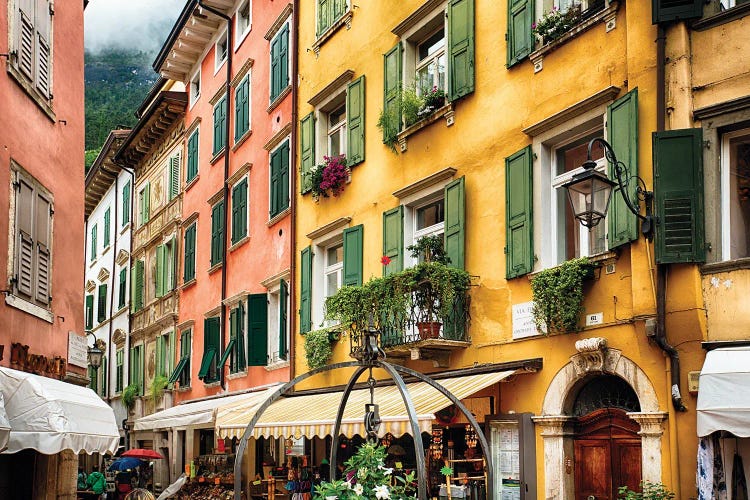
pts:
[443, 112]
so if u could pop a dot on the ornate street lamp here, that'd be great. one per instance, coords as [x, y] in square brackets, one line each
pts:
[95, 354]
[590, 191]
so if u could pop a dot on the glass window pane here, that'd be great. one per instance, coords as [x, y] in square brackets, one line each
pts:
[431, 45]
[332, 283]
[335, 255]
[334, 147]
[431, 214]
[739, 196]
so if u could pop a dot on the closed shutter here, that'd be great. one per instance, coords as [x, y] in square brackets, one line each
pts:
[169, 363]
[94, 245]
[284, 57]
[211, 332]
[160, 269]
[519, 249]
[274, 182]
[275, 69]
[101, 306]
[106, 229]
[678, 185]
[455, 222]
[520, 39]
[220, 113]
[133, 272]
[622, 134]
[283, 294]
[43, 25]
[126, 203]
[42, 236]
[171, 257]
[159, 355]
[239, 211]
[189, 266]
[305, 291]
[353, 249]
[460, 48]
[392, 91]
[323, 11]
[675, 10]
[339, 8]
[89, 312]
[241, 333]
[279, 180]
[241, 111]
[25, 47]
[355, 121]
[307, 151]
[217, 233]
[192, 159]
[122, 288]
[146, 202]
[25, 241]
[139, 269]
[393, 239]
[174, 176]
[257, 330]
[119, 360]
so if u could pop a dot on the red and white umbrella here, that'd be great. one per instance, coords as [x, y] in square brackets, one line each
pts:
[142, 453]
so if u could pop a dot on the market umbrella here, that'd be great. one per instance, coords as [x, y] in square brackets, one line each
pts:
[126, 463]
[142, 453]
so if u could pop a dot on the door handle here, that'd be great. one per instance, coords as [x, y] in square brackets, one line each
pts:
[591, 497]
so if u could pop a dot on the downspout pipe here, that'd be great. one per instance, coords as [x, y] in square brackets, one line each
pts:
[225, 196]
[112, 281]
[292, 315]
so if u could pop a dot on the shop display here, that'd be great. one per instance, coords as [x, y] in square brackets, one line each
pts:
[211, 478]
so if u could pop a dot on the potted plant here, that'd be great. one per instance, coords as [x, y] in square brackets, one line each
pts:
[330, 177]
[556, 23]
[650, 491]
[157, 388]
[558, 295]
[432, 100]
[129, 395]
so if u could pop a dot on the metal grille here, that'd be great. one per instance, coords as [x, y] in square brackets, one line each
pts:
[607, 391]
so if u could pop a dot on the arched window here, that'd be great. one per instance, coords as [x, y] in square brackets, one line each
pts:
[608, 391]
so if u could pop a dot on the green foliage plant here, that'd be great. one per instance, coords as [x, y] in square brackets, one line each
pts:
[429, 249]
[555, 23]
[366, 477]
[129, 394]
[411, 104]
[389, 122]
[558, 296]
[434, 287]
[318, 349]
[157, 388]
[651, 491]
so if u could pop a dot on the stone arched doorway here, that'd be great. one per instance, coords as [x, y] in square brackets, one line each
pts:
[561, 420]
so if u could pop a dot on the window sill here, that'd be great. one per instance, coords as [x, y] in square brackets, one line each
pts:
[242, 139]
[185, 388]
[44, 104]
[346, 19]
[239, 243]
[726, 266]
[727, 16]
[608, 16]
[446, 111]
[277, 365]
[192, 182]
[212, 384]
[277, 100]
[28, 307]
[217, 156]
[276, 218]
[597, 260]
[125, 228]
[106, 249]
[236, 375]
[188, 284]
[215, 267]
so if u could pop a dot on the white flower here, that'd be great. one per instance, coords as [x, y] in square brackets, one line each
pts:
[358, 489]
[362, 473]
[382, 492]
[387, 470]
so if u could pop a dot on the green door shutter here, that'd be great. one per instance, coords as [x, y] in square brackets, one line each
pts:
[101, 310]
[257, 329]
[89, 312]
[241, 116]
[675, 10]
[192, 159]
[217, 233]
[353, 255]
[240, 346]
[305, 291]
[519, 244]
[189, 264]
[393, 239]
[307, 151]
[239, 211]
[233, 360]
[160, 269]
[455, 222]
[283, 294]
[355, 121]
[622, 134]
[392, 91]
[520, 39]
[460, 48]
[678, 186]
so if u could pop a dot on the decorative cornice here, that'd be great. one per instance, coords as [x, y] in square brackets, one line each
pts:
[731, 106]
[213, 312]
[425, 182]
[190, 219]
[332, 87]
[416, 17]
[274, 280]
[240, 173]
[122, 257]
[279, 136]
[90, 285]
[330, 227]
[190, 323]
[218, 95]
[651, 423]
[103, 275]
[602, 97]
[194, 125]
[214, 199]
[235, 299]
[276, 26]
[242, 72]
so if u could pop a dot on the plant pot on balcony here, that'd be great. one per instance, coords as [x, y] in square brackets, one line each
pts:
[429, 329]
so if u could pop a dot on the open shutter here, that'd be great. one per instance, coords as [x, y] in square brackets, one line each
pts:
[622, 134]
[460, 48]
[240, 349]
[43, 221]
[139, 285]
[355, 121]
[393, 239]
[519, 242]
[25, 44]
[101, 306]
[89, 312]
[392, 91]
[283, 294]
[674, 10]
[159, 355]
[43, 25]
[189, 265]
[126, 203]
[93, 242]
[455, 222]
[257, 330]
[353, 255]
[160, 269]
[25, 253]
[174, 176]
[520, 39]
[339, 7]
[305, 291]
[171, 257]
[192, 156]
[283, 186]
[170, 359]
[678, 185]
[146, 202]
[307, 151]
[233, 323]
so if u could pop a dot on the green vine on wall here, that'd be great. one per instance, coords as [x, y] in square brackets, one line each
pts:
[157, 388]
[558, 296]
[318, 349]
[128, 396]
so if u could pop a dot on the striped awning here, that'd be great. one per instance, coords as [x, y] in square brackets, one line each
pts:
[315, 414]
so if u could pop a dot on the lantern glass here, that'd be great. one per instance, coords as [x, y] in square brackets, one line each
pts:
[95, 357]
[589, 193]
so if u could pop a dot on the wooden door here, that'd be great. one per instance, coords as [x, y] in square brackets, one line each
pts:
[593, 464]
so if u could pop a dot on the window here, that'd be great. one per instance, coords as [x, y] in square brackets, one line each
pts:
[89, 312]
[182, 371]
[173, 175]
[428, 220]
[136, 286]
[337, 131]
[244, 20]
[279, 61]
[220, 130]
[101, 306]
[165, 267]
[220, 55]
[735, 195]
[126, 203]
[239, 211]
[189, 267]
[431, 62]
[92, 253]
[217, 233]
[106, 228]
[122, 289]
[144, 204]
[585, 8]
[119, 369]
[334, 268]
[237, 324]
[192, 156]
[164, 354]
[279, 179]
[136, 367]
[31, 57]
[257, 329]
[209, 371]
[278, 325]
[195, 87]
[242, 108]
[328, 12]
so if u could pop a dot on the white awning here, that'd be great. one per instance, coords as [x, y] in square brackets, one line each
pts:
[50, 416]
[197, 413]
[4, 425]
[315, 414]
[724, 392]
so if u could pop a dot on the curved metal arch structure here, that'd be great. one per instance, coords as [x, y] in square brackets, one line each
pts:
[395, 372]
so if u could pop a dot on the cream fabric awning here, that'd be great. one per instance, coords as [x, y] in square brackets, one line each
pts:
[197, 413]
[315, 414]
[4, 425]
[723, 396]
[50, 416]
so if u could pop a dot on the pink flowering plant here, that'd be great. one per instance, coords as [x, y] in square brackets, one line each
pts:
[556, 23]
[330, 177]
[367, 478]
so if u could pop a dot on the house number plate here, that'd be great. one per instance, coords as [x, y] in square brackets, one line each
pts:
[594, 319]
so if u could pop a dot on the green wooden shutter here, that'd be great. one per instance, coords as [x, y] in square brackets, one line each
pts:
[283, 294]
[142, 206]
[146, 202]
[355, 121]
[132, 288]
[241, 115]
[323, 11]
[89, 312]
[675, 10]
[305, 291]
[274, 181]
[678, 187]
[307, 151]
[217, 233]
[106, 227]
[353, 241]
[192, 159]
[460, 48]
[339, 8]
[220, 113]
[284, 57]
[119, 360]
[101, 307]
[139, 292]
[126, 203]
[122, 288]
[92, 255]
[171, 274]
[392, 90]
[284, 177]
[189, 265]
[160, 269]
[241, 332]
[393, 239]
[211, 333]
[275, 68]
[257, 329]
[174, 176]
[159, 356]
[233, 339]
[455, 222]
[279, 180]
[170, 355]
[519, 242]
[622, 134]
[519, 39]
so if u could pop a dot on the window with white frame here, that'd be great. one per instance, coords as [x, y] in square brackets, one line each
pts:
[327, 275]
[280, 61]
[243, 21]
[581, 9]
[431, 62]
[195, 87]
[334, 268]
[278, 324]
[735, 194]
[336, 128]
[222, 49]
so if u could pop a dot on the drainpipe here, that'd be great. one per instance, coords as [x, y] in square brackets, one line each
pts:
[292, 314]
[228, 85]
[112, 281]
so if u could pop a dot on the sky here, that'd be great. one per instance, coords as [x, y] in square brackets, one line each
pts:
[139, 24]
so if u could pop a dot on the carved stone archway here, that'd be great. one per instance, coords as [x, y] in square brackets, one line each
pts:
[594, 358]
